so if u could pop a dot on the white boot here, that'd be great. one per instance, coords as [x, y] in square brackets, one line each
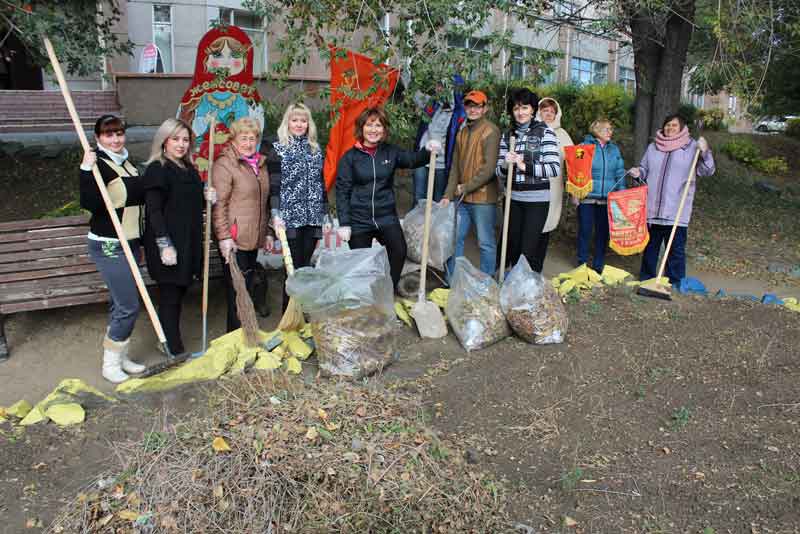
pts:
[112, 361]
[128, 365]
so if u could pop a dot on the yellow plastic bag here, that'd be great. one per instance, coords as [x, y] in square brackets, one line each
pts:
[69, 391]
[613, 276]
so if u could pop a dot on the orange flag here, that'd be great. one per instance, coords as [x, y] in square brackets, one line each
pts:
[579, 169]
[357, 83]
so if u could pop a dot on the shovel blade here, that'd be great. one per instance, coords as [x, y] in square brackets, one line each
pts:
[428, 317]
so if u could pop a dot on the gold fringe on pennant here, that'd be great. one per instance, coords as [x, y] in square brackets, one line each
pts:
[579, 192]
[629, 251]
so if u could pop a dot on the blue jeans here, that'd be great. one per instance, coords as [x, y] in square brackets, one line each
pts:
[484, 216]
[676, 261]
[421, 184]
[110, 261]
[593, 218]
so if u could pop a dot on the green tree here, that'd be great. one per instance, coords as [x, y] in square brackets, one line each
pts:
[82, 31]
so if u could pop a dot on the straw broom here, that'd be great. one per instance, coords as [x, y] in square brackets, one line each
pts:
[244, 305]
[293, 316]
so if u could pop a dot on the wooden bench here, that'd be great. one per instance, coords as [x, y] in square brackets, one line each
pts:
[44, 263]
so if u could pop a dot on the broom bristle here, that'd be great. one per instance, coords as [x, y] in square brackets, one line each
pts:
[293, 317]
[244, 306]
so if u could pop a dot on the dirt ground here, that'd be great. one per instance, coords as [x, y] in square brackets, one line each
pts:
[652, 417]
[657, 417]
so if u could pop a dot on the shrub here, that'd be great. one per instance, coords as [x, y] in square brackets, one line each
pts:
[793, 128]
[774, 165]
[742, 150]
[583, 105]
[689, 113]
[712, 119]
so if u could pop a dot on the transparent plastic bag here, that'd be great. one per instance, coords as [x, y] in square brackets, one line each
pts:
[532, 306]
[473, 307]
[350, 300]
[441, 245]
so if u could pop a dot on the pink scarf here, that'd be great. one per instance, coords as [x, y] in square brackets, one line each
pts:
[671, 144]
[252, 161]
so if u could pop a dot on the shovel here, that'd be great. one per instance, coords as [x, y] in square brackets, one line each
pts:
[426, 314]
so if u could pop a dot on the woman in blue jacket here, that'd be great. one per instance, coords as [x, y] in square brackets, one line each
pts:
[607, 172]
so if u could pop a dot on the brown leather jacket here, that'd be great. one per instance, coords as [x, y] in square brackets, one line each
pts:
[242, 200]
[474, 158]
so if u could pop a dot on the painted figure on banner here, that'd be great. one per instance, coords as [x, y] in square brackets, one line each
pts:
[222, 86]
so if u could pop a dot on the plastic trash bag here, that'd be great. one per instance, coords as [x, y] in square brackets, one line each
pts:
[473, 307]
[350, 301]
[532, 306]
[441, 245]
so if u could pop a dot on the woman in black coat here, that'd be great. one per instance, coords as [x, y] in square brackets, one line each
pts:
[365, 200]
[173, 240]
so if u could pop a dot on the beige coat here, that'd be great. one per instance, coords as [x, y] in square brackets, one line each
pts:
[242, 200]
[556, 184]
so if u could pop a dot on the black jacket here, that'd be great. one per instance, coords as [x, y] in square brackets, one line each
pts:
[365, 198]
[122, 189]
[174, 208]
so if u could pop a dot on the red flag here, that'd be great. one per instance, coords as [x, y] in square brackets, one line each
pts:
[579, 169]
[627, 220]
[357, 83]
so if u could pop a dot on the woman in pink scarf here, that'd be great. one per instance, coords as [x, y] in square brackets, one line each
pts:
[665, 167]
[241, 212]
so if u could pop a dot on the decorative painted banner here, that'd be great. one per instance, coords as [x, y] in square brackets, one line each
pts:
[579, 169]
[627, 220]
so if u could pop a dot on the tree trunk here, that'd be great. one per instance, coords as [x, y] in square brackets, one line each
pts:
[659, 50]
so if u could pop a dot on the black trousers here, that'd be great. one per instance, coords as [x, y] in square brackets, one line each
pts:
[392, 238]
[169, 313]
[525, 237]
[246, 260]
[302, 247]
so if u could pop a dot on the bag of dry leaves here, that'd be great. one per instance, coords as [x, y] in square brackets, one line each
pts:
[441, 245]
[532, 306]
[473, 307]
[349, 298]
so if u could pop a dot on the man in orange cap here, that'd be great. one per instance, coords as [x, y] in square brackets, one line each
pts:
[472, 175]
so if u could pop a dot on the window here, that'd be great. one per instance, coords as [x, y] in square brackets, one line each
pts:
[254, 28]
[564, 8]
[529, 63]
[586, 71]
[162, 37]
[479, 49]
[627, 79]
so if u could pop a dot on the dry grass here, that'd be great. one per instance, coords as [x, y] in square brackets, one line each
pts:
[303, 458]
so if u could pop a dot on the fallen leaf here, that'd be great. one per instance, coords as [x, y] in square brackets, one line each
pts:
[312, 433]
[666, 450]
[361, 411]
[699, 476]
[33, 523]
[128, 515]
[105, 520]
[322, 414]
[350, 456]
[569, 522]
[218, 491]
[220, 445]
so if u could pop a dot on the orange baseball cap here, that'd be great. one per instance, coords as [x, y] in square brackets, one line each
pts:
[479, 97]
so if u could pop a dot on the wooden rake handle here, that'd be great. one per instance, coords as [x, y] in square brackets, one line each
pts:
[207, 236]
[685, 193]
[101, 186]
[506, 214]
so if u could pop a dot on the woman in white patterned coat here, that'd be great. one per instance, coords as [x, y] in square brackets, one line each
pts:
[302, 202]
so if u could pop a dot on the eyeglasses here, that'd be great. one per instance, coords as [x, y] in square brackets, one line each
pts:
[606, 130]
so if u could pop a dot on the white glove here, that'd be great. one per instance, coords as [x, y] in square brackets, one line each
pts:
[513, 157]
[574, 200]
[169, 256]
[278, 223]
[636, 172]
[269, 242]
[343, 232]
[433, 145]
[210, 195]
[89, 159]
[702, 144]
[226, 247]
